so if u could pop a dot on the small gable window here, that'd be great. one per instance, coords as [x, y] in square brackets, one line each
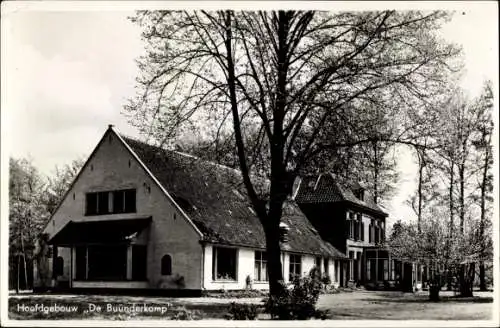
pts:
[110, 202]
[166, 265]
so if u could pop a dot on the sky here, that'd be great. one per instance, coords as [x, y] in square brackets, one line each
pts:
[67, 74]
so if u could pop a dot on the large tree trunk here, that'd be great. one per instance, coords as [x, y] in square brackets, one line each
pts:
[274, 265]
[376, 172]
[421, 165]
[449, 274]
[482, 277]
[467, 274]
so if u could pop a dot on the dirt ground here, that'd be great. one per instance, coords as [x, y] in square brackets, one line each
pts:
[358, 305]
[375, 305]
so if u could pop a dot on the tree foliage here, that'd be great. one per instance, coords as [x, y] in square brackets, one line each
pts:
[455, 180]
[33, 197]
[271, 87]
[60, 182]
[27, 211]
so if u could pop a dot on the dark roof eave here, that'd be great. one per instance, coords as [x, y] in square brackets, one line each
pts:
[366, 208]
[222, 243]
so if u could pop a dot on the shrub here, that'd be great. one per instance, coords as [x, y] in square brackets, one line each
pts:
[299, 302]
[238, 311]
[184, 314]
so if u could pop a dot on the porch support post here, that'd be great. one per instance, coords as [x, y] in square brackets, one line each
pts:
[129, 262]
[71, 266]
[86, 263]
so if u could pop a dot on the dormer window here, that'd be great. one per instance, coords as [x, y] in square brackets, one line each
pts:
[360, 194]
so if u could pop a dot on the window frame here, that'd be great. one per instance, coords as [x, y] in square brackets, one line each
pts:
[258, 266]
[166, 265]
[59, 266]
[294, 264]
[215, 262]
[110, 199]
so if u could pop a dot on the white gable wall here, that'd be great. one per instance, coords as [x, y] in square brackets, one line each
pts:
[113, 167]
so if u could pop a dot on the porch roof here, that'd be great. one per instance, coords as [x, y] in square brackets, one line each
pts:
[99, 231]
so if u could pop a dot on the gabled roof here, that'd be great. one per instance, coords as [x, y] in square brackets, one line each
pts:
[215, 201]
[325, 189]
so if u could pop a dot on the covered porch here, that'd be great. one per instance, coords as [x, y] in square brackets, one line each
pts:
[108, 253]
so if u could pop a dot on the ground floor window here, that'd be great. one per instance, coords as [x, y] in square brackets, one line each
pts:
[59, 266]
[224, 263]
[326, 265]
[166, 265]
[350, 273]
[318, 263]
[139, 262]
[295, 266]
[260, 273]
[107, 262]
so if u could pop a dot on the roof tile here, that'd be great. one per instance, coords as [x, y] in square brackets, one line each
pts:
[214, 198]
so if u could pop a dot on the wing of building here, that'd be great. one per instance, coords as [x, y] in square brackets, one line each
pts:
[143, 217]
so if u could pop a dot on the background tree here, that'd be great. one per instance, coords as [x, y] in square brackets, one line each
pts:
[270, 82]
[484, 161]
[458, 165]
[59, 183]
[425, 244]
[27, 215]
[33, 198]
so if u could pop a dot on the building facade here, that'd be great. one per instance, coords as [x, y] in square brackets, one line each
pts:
[142, 217]
[350, 219]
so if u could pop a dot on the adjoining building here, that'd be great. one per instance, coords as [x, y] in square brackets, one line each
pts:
[350, 219]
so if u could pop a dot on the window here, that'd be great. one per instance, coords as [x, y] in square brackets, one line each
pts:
[393, 271]
[81, 262]
[107, 262]
[59, 266]
[318, 263]
[351, 233]
[356, 230]
[166, 265]
[91, 204]
[361, 233]
[368, 270]
[139, 262]
[260, 273]
[103, 203]
[326, 264]
[360, 194]
[350, 274]
[295, 266]
[386, 269]
[224, 263]
[110, 202]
